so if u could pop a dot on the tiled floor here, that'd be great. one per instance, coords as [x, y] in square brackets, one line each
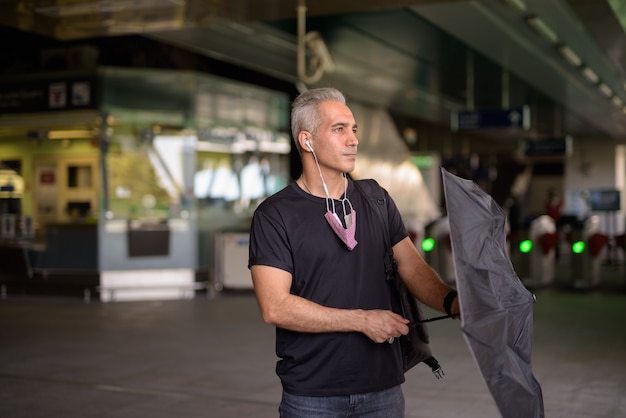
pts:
[214, 357]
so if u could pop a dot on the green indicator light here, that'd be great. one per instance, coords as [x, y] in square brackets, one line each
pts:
[428, 244]
[578, 247]
[422, 161]
[525, 246]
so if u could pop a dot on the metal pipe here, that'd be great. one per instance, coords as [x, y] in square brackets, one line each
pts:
[302, 73]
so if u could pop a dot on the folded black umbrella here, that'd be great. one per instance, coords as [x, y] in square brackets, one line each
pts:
[496, 308]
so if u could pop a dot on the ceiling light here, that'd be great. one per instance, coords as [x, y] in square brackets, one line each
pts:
[606, 90]
[70, 134]
[591, 75]
[542, 29]
[517, 4]
[570, 56]
[617, 101]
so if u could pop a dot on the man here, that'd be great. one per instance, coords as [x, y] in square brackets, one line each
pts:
[319, 277]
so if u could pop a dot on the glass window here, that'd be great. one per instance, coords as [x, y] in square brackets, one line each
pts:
[147, 180]
[79, 177]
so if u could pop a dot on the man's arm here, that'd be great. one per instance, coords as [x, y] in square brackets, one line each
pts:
[420, 278]
[282, 309]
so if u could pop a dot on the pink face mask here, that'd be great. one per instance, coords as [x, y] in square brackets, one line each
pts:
[345, 234]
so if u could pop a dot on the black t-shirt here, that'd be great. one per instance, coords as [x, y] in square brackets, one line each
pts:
[289, 232]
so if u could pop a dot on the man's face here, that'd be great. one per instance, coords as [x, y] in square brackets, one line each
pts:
[336, 142]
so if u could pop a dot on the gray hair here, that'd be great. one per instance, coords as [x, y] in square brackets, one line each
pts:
[305, 115]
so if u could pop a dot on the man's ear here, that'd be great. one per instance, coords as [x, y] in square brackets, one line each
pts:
[304, 139]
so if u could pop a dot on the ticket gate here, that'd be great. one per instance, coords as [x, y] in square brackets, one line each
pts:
[587, 254]
[542, 260]
[437, 250]
[534, 261]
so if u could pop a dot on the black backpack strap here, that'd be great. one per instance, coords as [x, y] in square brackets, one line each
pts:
[415, 346]
[368, 187]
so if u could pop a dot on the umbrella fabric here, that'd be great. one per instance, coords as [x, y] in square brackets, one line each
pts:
[496, 308]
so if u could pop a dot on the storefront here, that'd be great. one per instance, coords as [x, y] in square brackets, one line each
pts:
[131, 173]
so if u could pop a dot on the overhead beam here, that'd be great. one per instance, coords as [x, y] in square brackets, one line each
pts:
[91, 18]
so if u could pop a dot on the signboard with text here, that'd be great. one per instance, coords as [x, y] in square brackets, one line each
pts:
[49, 95]
[547, 147]
[511, 118]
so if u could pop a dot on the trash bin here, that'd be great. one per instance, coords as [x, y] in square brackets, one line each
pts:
[231, 254]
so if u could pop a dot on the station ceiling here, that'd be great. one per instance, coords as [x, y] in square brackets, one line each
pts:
[566, 59]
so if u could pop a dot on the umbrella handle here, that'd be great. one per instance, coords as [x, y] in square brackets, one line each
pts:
[436, 318]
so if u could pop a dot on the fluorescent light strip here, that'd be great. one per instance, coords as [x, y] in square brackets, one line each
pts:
[570, 56]
[591, 75]
[617, 101]
[606, 90]
[542, 29]
[517, 4]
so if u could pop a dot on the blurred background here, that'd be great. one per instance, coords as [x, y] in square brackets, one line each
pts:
[137, 138]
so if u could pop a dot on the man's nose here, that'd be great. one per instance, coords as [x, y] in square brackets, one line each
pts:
[353, 140]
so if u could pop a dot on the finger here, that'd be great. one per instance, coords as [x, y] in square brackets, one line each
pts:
[401, 318]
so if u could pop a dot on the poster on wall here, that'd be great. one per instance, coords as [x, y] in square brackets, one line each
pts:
[47, 177]
[81, 94]
[57, 95]
[46, 189]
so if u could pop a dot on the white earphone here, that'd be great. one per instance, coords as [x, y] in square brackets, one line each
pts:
[308, 144]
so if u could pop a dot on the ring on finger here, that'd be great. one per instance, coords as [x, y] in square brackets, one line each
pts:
[390, 340]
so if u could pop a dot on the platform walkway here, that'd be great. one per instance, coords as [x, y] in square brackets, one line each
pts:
[214, 357]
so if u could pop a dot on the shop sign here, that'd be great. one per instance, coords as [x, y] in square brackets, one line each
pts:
[47, 177]
[53, 95]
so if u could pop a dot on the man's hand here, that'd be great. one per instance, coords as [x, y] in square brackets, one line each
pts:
[380, 325]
